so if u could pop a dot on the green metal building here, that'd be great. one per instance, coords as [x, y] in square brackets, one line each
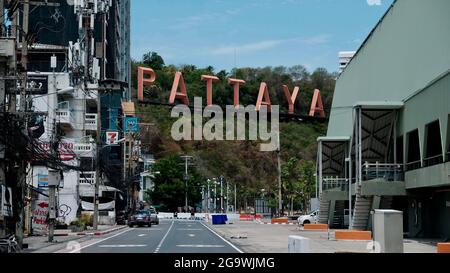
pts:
[388, 141]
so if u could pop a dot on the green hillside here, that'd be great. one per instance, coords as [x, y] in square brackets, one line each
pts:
[240, 162]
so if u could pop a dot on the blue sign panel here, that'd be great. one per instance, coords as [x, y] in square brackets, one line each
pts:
[131, 125]
[42, 180]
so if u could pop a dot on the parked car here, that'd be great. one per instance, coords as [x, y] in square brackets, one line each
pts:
[309, 218]
[154, 216]
[140, 218]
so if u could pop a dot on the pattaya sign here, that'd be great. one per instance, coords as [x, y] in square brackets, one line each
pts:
[147, 77]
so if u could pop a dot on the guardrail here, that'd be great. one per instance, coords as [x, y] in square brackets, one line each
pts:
[331, 183]
[413, 165]
[434, 160]
[387, 172]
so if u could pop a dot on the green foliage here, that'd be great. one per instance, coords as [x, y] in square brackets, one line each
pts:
[169, 190]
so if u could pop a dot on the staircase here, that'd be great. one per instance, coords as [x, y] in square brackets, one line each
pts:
[324, 211]
[361, 214]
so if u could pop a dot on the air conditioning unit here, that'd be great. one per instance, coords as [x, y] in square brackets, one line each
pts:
[7, 48]
[6, 209]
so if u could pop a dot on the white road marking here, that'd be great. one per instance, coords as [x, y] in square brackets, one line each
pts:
[190, 229]
[162, 241]
[121, 246]
[191, 235]
[99, 241]
[142, 235]
[202, 246]
[152, 229]
[215, 233]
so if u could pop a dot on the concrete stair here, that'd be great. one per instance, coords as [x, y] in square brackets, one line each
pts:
[361, 214]
[324, 211]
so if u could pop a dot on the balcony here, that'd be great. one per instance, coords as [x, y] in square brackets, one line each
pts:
[86, 178]
[64, 115]
[84, 150]
[383, 171]
[91, 122]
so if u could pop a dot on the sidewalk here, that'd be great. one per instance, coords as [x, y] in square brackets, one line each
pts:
[253, 237]
[40, 244]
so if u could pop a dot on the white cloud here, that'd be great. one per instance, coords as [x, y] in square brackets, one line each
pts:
[267, 44]
[262, 45]
[374, 2]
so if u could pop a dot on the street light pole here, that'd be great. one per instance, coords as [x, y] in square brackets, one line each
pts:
[221, 194]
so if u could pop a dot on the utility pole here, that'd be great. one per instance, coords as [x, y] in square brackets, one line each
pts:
[280, 201]
[23, 106]
[97, 163]
[208, 201]
[186, 178]
[235, 199]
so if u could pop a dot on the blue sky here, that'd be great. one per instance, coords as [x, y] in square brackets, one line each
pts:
[252, 33]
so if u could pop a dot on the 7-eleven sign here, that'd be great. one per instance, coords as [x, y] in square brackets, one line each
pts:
[112, 138]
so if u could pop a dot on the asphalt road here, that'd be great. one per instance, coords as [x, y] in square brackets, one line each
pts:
[175, 236]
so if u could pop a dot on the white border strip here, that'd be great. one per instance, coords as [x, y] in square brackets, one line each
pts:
[215, 233]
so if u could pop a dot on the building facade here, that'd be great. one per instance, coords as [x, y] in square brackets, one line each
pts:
[388, 140]
[73, 102]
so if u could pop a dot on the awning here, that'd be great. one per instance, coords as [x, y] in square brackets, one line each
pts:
[89, 190]
[105, 206]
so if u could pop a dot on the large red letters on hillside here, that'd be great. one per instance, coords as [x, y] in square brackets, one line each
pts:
[263, 96]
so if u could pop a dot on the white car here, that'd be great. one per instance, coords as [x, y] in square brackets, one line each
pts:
[308, 219]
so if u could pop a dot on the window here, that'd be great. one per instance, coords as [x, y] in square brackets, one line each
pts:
[413, 161]
[433, 144]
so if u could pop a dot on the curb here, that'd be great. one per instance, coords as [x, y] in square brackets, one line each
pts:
[97, 233]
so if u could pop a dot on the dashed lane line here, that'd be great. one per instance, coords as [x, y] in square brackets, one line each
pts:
[164, 238]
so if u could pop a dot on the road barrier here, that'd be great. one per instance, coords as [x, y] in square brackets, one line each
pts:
[444, 248]
[353, 235]
[280, 221]
[315, 227]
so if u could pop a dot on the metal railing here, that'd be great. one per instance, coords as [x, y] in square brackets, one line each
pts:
[84, 149]
[434, 160]
[87, 178]
[413, 165]
[387, 172]
[91, 122]
[335, 183]
[63, 113]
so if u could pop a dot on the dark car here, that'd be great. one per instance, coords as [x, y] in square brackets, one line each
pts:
[140, 218]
